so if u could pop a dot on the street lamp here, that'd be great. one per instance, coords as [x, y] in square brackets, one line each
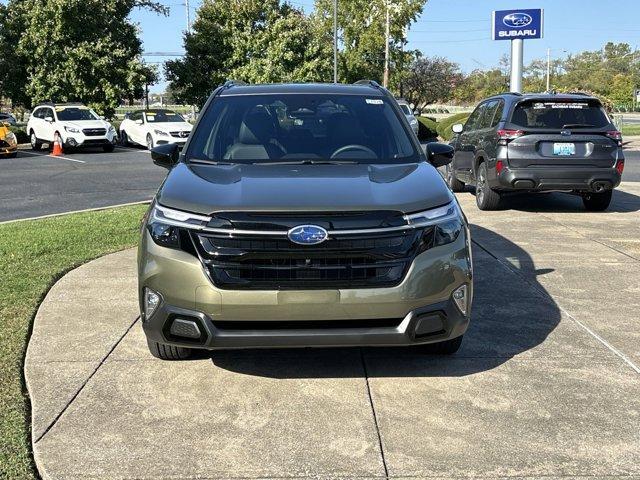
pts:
[549, 67]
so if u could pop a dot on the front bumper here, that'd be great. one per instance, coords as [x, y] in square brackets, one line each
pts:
[75, 140]
[7, 149]
[419, 310]
[587, 179]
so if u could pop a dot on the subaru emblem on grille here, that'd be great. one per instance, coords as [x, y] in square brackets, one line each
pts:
[307, 234]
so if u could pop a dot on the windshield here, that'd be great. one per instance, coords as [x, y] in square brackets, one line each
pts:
[545, 114]
[69, 114]
[405, 109]
[301, 127]
[162, 116]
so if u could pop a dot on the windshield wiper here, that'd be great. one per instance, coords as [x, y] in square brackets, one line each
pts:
[309, 162]
[208, 162]
[578, 125]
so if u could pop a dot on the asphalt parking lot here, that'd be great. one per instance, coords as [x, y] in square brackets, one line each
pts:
[35, 184]
[546, 384]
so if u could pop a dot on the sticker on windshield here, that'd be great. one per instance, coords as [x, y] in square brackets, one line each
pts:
[374, 101]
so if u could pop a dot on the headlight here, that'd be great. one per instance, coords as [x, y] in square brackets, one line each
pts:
[72, 129]
[161, 133]
[111, 129]
[441, 225]
[11, 138]
[413, 121]
[165, 225]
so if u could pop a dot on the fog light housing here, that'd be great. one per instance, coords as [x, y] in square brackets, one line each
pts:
[72, 142]
[461, 298]
[150, 303]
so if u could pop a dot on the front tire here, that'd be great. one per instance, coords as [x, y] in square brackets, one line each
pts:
[149, 141]
[124, 139]
[597, 202]
[486, 198]
[454, 184]
[168, 352]
[36, 145]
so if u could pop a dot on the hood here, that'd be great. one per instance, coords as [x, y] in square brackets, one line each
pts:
[206, 189]
[171, 126]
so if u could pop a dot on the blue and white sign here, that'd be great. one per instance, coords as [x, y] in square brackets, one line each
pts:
[512, 24]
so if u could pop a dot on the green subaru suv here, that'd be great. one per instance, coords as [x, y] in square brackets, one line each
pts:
[303, 215]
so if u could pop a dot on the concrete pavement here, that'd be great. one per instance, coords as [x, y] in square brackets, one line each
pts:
[546, 383]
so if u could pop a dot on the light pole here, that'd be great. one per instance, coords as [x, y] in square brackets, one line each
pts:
[515, 85]
[186, 4]
[335, 41]
[548, 69]
[385, 79]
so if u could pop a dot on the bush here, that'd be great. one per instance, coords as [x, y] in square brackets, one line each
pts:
[21, 134]
[427, 128]
[444, 127]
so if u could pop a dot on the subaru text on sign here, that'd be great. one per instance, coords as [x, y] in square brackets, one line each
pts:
[512, 24]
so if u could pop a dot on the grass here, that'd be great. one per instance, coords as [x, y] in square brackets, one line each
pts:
[631, 129]
[33, 255]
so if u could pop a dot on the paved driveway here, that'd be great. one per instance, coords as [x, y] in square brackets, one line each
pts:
[546, 385]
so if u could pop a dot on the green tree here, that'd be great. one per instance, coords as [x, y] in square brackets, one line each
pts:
[361, 25]
[85, 50]
[430, 79]
[13, 73]
[256, 42]
[480, 84]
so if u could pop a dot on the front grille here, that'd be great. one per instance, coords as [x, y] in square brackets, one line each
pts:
[94, 132]
[344, 261]
[183, 134]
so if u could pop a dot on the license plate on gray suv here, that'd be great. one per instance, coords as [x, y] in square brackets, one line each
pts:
[564, 149]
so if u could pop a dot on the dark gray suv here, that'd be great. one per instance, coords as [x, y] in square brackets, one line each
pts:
[542, 142]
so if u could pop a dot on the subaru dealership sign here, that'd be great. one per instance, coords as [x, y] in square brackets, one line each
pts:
[512, 24]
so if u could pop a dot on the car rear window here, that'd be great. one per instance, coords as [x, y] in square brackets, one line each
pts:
[279, 127]
[559, 114]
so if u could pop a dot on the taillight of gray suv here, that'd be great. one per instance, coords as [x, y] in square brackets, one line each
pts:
[543, 142]
[303, 215]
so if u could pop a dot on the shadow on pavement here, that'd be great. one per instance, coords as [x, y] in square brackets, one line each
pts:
[512, 313]
[567, 203]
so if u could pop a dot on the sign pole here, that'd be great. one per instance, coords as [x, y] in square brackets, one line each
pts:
[516, 65]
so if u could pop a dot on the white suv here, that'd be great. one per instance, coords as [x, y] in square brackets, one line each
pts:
[150, 128]
[77, 126]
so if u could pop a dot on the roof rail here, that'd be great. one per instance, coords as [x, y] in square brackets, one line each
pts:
[371, 83]
[518, 94]
[579, 93]
[232, 83]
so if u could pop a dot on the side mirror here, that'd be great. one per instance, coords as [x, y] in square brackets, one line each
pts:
[48, 119]
[439, 154]
[457, 128]
[139, 121]
[165, 156]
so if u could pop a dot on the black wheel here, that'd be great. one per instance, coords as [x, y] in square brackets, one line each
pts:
[168, 352]
[149, 141]
[486, 199]
[448, 347]
[124, 139]
[108, 148]
[597, 202]
[35, 143]
[454, 184]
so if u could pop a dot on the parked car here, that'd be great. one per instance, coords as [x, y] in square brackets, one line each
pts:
[411, 118]
[8, 141]
[8, 118]
[303, 215]
[76, 125]
[154, 127]
[536, 143]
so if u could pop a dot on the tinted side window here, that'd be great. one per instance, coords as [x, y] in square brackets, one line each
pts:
[475, 118]
[487, 118]
[497, 116]
[37, 113]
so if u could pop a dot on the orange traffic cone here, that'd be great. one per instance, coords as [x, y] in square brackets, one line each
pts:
[57, 146]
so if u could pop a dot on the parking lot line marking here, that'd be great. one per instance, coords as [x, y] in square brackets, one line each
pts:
[546, 294]
[51, 156]
[95, 209]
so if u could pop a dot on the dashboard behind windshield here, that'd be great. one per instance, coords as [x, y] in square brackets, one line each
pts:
[268, 128]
